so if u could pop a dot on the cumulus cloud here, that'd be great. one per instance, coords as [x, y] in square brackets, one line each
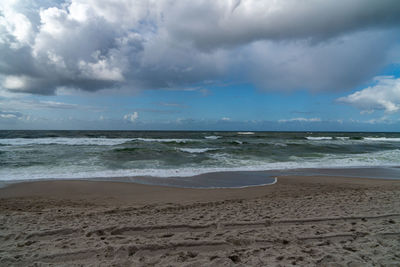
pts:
[15, 27]
[384, 95]
[131, 117]
[101, 44]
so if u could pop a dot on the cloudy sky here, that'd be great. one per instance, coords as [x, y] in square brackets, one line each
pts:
[206, 64]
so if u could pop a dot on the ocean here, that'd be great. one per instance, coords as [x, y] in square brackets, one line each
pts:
[30, 155]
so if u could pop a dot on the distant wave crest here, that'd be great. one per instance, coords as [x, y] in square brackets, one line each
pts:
[196, 150]
[213, 137]
[64, 141]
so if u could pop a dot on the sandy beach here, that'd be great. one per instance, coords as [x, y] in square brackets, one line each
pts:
[306, 221]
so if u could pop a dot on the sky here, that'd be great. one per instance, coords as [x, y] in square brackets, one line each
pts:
[276, 65]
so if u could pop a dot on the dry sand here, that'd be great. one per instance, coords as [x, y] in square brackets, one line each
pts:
[307, 221]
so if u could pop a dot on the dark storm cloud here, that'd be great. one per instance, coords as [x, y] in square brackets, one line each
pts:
[217, 24]
[337, 65]
[276, 45]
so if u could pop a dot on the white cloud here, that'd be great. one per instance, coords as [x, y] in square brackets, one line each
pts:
[15, 27]
[225, 119]
[384, 95]
[14, 82]
[131, 117]
[100, 70]
[24, 104]
[8, 116]
[383, 119]
[300, 120]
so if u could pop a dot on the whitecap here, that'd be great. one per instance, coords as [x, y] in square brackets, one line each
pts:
[280, 144]
[164, 140]
[382, 139]
[64, 141]
[212, 137]
[196, 150]
[319, 138]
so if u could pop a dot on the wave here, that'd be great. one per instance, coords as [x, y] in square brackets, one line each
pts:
[280, 145]
[165, 140]
[84, 141]
[196, 150]
[319, 138]
[234, 142]
[344, 138]
[212, 137]
[246, 133]
[225, 163]
[64, 141]
[382, 139]
[348, 138]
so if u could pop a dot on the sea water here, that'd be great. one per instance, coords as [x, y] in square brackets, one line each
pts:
[28, 155]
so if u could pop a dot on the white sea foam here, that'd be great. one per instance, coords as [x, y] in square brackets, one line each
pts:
[382, 139]
[246, 133]
[82, 141]
[280, 144]
[196, 150]
[165, 140]
[64, 141]
[212, 137]
[319, 138]
[344, 138]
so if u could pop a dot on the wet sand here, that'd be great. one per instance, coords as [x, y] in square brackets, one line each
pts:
[313, 220]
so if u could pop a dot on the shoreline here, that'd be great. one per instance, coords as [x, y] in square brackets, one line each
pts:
[235, 179]
[300, 220]
[124, 192]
